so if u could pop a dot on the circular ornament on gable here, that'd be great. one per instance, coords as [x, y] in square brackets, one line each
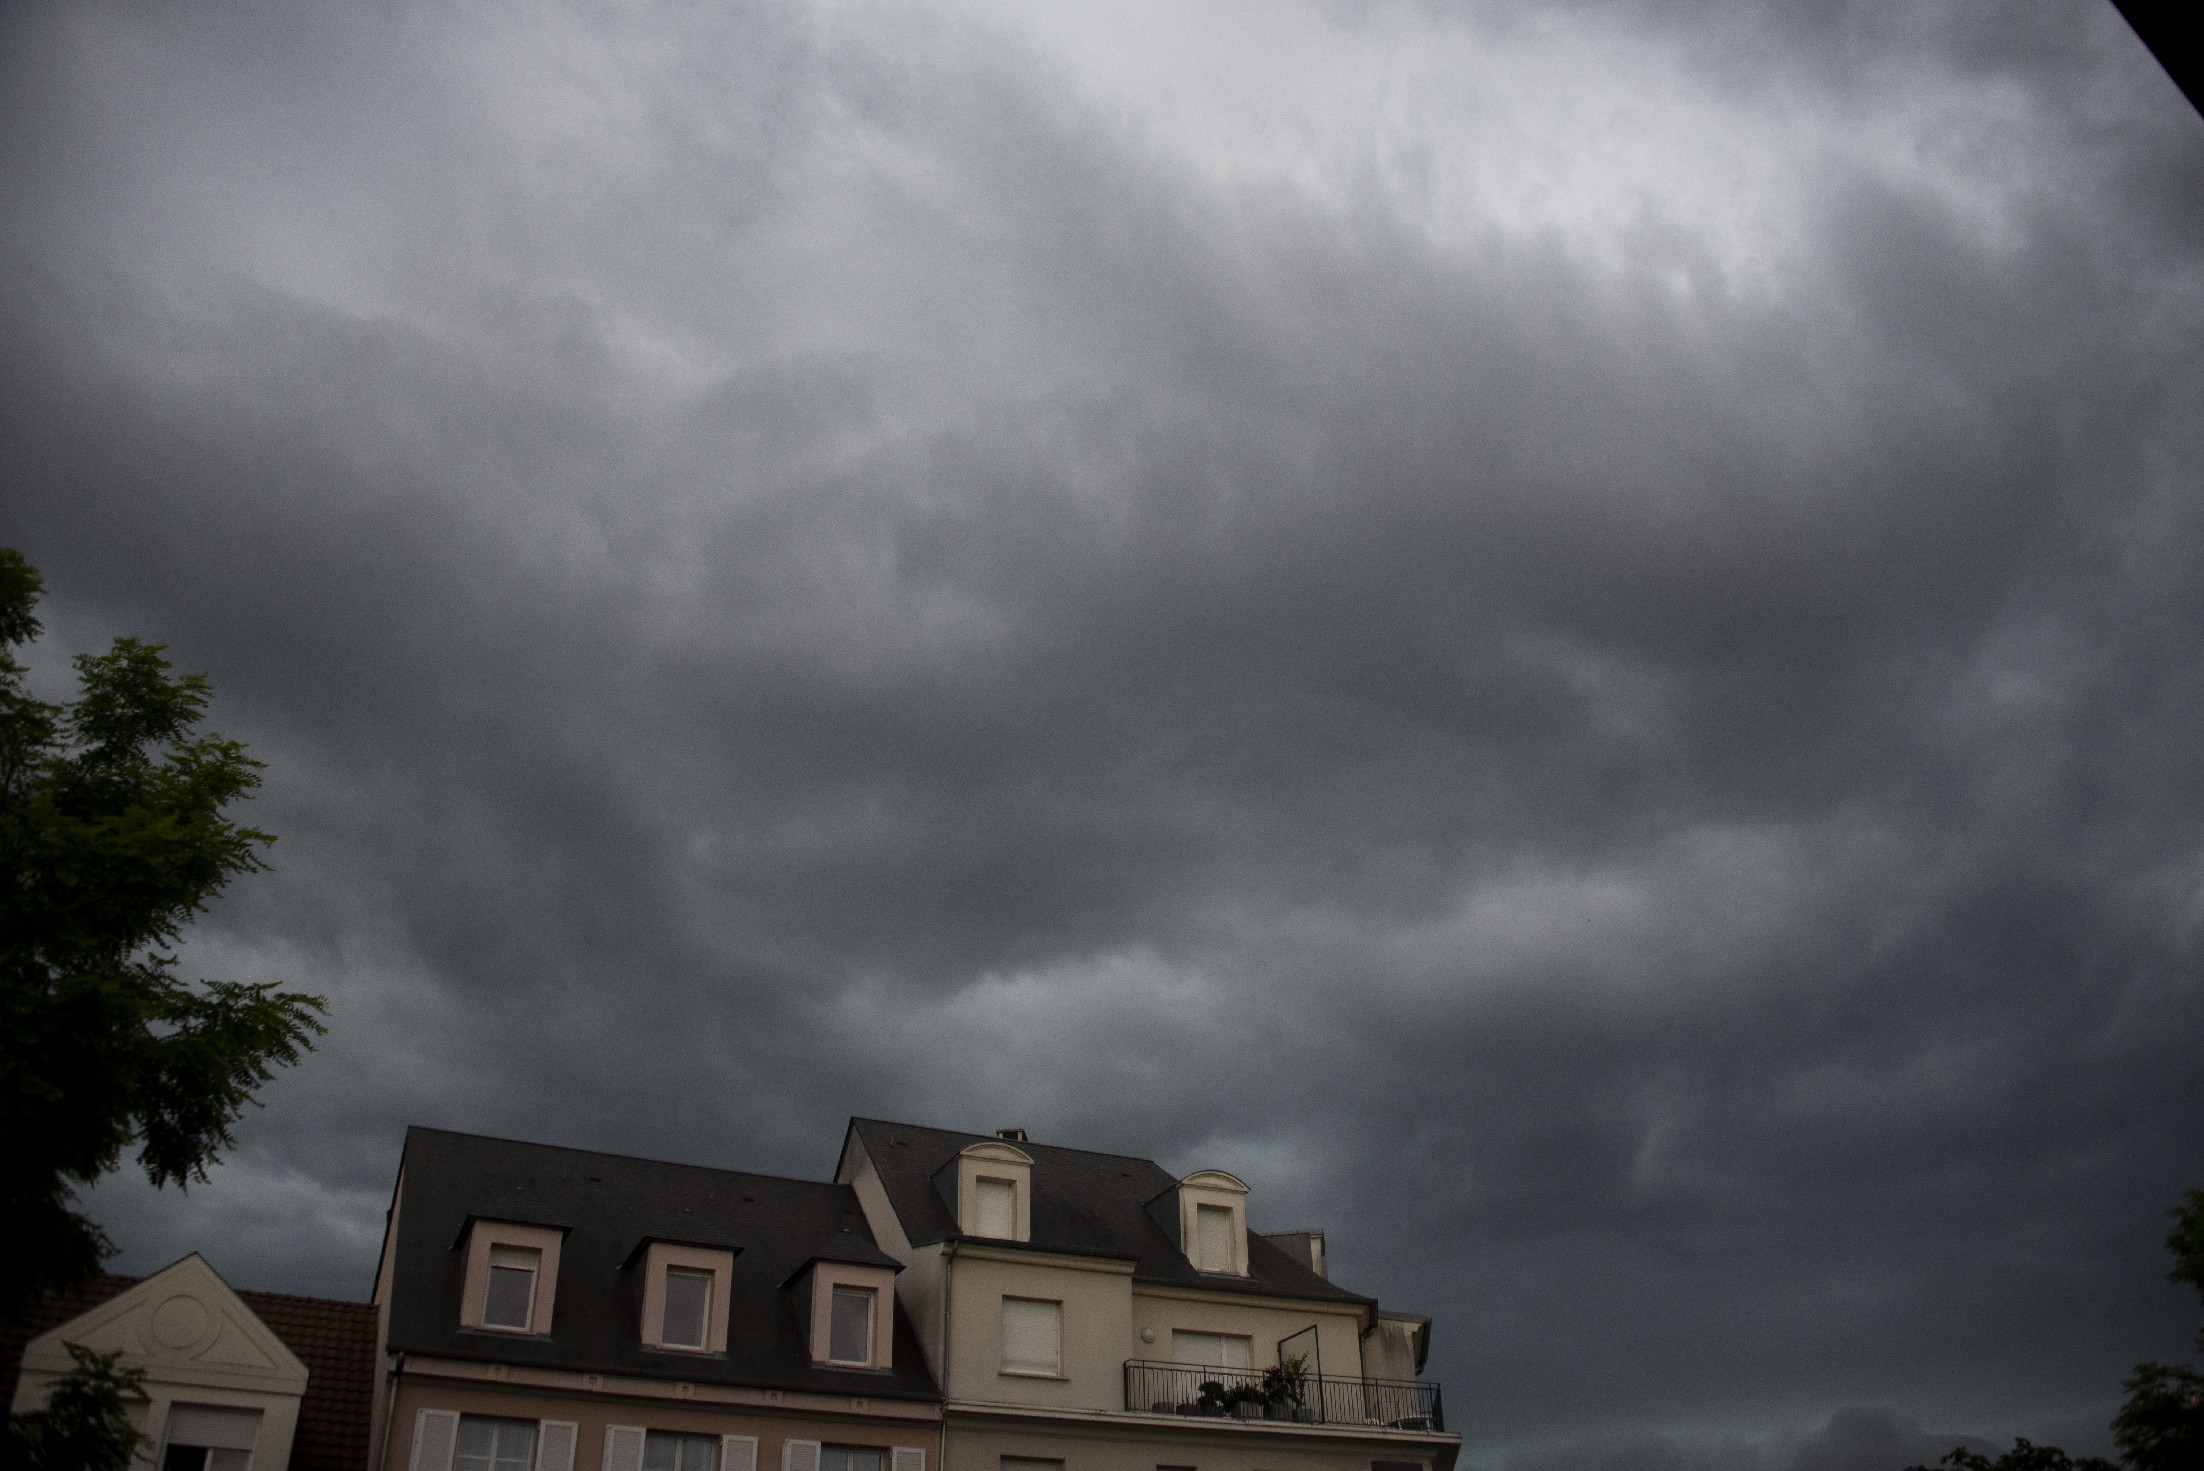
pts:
[180, 1322]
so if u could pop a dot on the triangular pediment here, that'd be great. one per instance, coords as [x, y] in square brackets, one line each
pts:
[184, 1319]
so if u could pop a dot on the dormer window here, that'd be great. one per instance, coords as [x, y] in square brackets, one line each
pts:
[686, 1292]
[847, 1296]
[995, 1208]
[994, 1191]
[849, 1332]
[1211, 1211]
[1213, 1238]
[511, 1278]
[510, 1299]
[688, 1308]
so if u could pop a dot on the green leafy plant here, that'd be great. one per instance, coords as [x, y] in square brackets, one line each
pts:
[113, 837]
[86, 1423]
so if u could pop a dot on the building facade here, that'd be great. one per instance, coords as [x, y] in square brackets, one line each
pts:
[542, 1308]
[1090, 1312]
[233, 1381]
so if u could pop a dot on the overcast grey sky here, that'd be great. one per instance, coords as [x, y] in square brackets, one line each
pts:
[1567, 635]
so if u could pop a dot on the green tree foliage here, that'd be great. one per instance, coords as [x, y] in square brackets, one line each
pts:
[86, 1423]
[2161, 1427]
[112, 838]
[2022, 1457]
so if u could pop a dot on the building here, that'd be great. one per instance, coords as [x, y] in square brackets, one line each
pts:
[1073, 1306]
[542, 1308]
[234, 1381]
[991, 1303]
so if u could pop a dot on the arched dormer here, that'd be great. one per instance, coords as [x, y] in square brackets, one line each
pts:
[1212, 1221]
[995, 1191]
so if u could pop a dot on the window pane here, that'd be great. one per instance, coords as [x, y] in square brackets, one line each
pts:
[512, 1294]
[1213, 1224]
[995, 1202]
[220, 1459]
[1033, 1335]
[185, 1458]
[477, 1444]
[661, 1452]
[688, 1304]
[849, 1334]
[516, 1445]
[696, 1452]
[852, 1457]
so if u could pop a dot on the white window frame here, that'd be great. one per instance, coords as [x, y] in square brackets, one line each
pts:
[871, 1296]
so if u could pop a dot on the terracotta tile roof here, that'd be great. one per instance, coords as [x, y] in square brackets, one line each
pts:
[335, 1340]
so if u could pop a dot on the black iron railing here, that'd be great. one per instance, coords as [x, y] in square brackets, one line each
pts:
[1177, 1389]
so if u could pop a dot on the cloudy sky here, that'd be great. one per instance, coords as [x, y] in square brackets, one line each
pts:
[1571, 636]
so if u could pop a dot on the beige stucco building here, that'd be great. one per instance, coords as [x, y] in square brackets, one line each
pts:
[1073, 1305]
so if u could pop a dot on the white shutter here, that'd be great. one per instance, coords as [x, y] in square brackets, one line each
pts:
[1033, 1336]
[623, 1448]
[1213, 1227]
[908, 1458]
[435, 1434]
[799, 1455]
[995, 1202]
[738, 1453]
[555, 1444]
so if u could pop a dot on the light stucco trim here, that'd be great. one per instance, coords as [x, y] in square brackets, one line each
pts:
[486, 1234]
[664, 1254]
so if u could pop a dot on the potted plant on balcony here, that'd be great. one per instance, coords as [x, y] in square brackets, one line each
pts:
[1284, 1389]
[1246, 1401]
[1213, 1399]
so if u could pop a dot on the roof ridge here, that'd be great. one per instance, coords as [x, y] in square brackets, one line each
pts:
[679, 1164]
[998, 1139]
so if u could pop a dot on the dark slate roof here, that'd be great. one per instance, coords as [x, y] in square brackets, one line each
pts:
[1084, 1204]
[335, 1340]
[610, 1203]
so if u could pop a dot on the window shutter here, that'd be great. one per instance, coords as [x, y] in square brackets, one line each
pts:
[995, 1202]
[908, 1458]
[555, 1445]
[1213, 1225]
[738, 1453]
[799, 1455]
[623, 1448]
[1033, 1335]
[435, 1433]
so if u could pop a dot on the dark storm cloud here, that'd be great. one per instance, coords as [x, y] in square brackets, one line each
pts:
[1587, 670]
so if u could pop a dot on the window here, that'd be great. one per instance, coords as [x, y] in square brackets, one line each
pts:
[494, 1445]
[686, 1296]
[995, 1208]
[512, 1271]
[1033, 1336]
[688, 1307]
[1030, 1463]
[511, 1299]
[849, 1336]
[665, 1451]
[1213, 1350]
[1214, 1227]
[854, 1458]
[210, 1438]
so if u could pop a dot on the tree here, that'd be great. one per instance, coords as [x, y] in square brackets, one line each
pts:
[2161, 1427]
[112, 838]
[2022, 1457]
[86, 1423]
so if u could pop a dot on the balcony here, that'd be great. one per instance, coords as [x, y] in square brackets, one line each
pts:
[1392, 1404]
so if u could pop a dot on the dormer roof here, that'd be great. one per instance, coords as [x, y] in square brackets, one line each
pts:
[1083, 1204]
